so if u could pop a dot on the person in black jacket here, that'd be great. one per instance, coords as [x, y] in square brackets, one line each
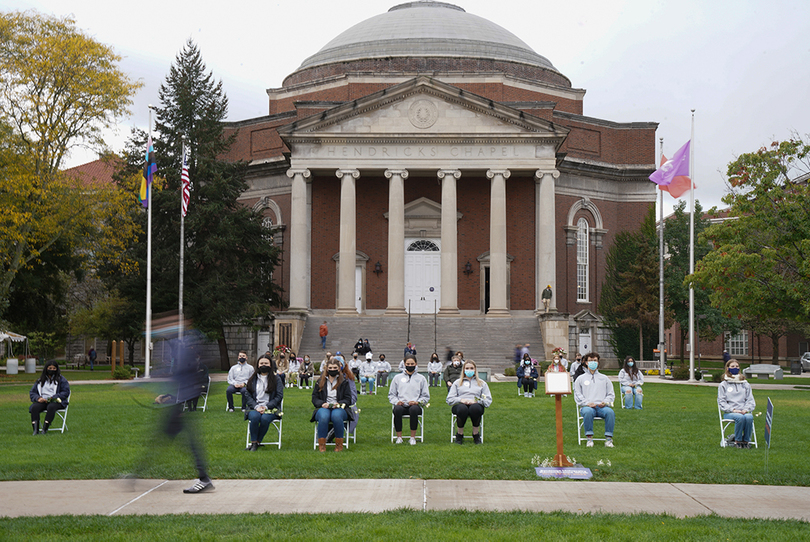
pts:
[49, 393]
[331, 397]
[264, 392]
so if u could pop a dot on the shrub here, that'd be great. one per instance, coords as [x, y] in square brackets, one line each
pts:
[509, 371]
[680, 373]
[717, 376]
[122, 373]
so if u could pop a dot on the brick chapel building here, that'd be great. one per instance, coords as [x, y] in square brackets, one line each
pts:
[427, 159]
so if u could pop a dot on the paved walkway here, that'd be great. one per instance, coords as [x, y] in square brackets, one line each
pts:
[161, 497]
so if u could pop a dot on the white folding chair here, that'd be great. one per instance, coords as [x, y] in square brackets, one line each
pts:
[453, 429]
[420, 435]
[277, 424]
[724, 424]
[204, 397]
[581, 425]
[347, 436]
[62, 414]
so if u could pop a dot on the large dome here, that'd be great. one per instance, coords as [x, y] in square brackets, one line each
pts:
[427, 29]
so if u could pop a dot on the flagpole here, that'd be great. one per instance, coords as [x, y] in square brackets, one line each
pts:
[692, 338]
[661, 341]
[182, 242]
[148, 336]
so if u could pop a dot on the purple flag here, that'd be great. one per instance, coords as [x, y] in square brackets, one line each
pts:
[676, 166]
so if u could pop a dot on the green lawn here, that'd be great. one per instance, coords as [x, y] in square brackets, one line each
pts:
[674, 439]
[404, 525]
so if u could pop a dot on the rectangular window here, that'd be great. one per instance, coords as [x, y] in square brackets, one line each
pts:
[582, 260]
[737, 345]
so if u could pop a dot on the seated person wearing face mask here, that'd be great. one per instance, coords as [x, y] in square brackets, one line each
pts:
[408, 392]
[238, 375]
[630, 381]
[452, 372]
[434, 367]
[49, 393]
[383, 369]
[737, 402]
[469, 396]
[368, 374]
[263, 395]
[332, 399]
[527, 376]
[593, 393]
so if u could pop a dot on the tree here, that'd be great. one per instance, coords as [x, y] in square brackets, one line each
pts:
[676, 238]
[59, 88]
[630, 300]
[759, 271]
[229, 255]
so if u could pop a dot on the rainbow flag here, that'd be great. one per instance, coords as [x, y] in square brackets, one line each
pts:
[149, 170]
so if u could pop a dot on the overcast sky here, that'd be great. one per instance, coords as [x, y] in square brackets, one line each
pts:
[741, 64]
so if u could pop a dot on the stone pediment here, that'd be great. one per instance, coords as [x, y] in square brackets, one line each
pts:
[424, 215]
[422, 108]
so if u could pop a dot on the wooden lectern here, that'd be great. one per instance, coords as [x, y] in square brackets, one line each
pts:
[559, 384]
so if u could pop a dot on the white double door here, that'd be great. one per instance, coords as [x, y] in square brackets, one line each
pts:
[422, 275]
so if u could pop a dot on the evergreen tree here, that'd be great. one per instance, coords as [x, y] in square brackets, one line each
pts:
[630, 300]
[676, 238]
[229, 255]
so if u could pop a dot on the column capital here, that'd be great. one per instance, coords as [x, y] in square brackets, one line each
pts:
[505, 173]
[400, 172]
[343, 172]
[452, 172]
[292, 172]
[539, 174]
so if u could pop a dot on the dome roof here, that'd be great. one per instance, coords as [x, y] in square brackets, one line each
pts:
[427, 29]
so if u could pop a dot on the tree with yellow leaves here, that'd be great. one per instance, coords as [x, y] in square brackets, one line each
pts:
[59, 89]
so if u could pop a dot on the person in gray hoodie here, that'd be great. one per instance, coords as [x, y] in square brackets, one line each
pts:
[408, 392]
[737, 402]
[594, 395]
[469, 396]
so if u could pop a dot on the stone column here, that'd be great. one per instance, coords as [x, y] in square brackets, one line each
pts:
[546, 255]
[449, 282]
[396, 242]
[497, 243]
[299, 247]
[348, 242]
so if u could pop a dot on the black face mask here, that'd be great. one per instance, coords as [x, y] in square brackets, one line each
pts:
[264, 369]
[51, 371]
[332, 372]
[410, 368]
[242, 360]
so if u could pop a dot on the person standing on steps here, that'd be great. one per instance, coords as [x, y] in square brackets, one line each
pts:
[323, 331]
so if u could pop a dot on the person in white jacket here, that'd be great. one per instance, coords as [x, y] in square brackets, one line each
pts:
[408, 392]
[469, 396]
[368, 374]
[434, 370]
[594, 395]
[630, 382]
[238, 375]
[383, 369]
[737, 403]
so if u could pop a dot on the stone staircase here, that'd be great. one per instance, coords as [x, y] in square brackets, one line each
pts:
[489, 341]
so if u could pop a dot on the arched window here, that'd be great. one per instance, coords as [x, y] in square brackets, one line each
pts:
[582, 260]
[423, 245]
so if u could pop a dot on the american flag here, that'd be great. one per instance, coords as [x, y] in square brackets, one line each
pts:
[186, 182]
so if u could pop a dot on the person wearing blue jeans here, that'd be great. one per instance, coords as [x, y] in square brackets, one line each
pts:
[737, 403]
[368, 374]
[630, 382]
[263, 395]
[332, 399]
[594, 395]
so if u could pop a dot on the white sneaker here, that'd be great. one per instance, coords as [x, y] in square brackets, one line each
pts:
[609, 443]
[590, 443]
[413, 441]
[399, 440]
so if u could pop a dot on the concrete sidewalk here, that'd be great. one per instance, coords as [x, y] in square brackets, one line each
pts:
[161, 497]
